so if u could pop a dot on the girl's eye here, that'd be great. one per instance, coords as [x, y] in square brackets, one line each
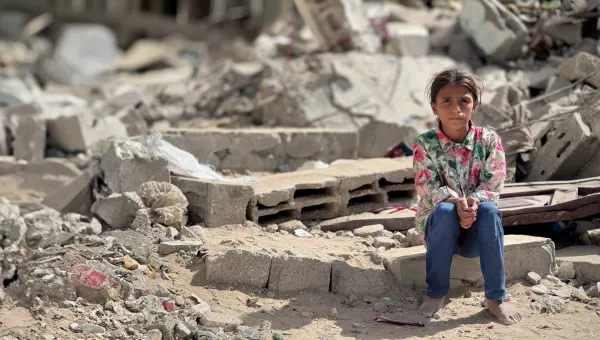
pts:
[446, 100]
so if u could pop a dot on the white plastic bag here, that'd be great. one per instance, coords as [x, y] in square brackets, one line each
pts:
[182, 162]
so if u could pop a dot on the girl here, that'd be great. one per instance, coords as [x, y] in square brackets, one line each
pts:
[459, 172]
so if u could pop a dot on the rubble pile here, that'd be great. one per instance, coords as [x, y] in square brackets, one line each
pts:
[122, 166]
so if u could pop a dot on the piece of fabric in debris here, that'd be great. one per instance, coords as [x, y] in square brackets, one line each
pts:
[398, 150]
[167, 202]
[445, 169]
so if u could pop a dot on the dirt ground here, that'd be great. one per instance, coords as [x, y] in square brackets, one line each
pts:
[330, 316]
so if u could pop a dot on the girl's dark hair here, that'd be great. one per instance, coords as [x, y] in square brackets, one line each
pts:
[454, 76]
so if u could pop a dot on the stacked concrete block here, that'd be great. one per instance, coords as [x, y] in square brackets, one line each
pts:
[239, 268]
[264, 149]
[342, 189]
[565, 149]
[297, 273]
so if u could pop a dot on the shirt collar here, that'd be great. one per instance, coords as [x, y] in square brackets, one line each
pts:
[446, 142]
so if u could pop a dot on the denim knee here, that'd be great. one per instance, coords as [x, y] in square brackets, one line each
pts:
[487, 208]
[445, 210]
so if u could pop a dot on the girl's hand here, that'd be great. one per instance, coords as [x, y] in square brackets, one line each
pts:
[467, 212]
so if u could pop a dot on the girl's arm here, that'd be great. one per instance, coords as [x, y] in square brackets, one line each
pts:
[491, 177]
[430, 188]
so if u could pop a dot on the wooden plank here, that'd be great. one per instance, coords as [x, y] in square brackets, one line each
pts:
[551, 216]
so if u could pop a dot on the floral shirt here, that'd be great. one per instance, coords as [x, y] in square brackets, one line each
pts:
[444, 169]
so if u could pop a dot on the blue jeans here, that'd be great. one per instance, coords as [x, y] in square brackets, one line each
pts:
[485, 239]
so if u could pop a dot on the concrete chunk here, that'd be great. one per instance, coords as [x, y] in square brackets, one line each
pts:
[293, 273]
[118, 210]
[214, 203]
[522, 254]
[226, 321]
[407, 39]
[580, 66]
[239, 268]
[171, 247]
[126, 166]
[370, 230]
[584, 259]
[360, 279]
[30, 137]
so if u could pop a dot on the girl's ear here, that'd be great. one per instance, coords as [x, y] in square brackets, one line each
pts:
[433, 108]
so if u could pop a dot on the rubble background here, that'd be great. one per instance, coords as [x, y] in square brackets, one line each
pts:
[104, 103]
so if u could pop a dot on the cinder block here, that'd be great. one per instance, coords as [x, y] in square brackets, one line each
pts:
[585, 259]
[239, 268]
[215, 203]
[567, 148]
[522, 254]
[359, 279]
[295, 273]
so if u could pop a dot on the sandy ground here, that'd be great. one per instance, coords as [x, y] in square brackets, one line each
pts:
[330, 316]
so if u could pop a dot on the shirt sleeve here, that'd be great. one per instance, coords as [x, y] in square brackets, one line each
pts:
[492, 176]
[429, 185]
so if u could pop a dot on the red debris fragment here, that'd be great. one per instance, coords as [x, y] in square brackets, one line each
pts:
[169, 306]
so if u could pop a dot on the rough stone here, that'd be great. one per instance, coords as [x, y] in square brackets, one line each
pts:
[566, 271]
[127, 165]
[370, 230]
[154, 334]
[201, 308]
[118, 211]
[540, 289]
[172, 233]
[239, 268]
[498, 32]
[226, 321]
[12, 226]
[171, 247]
[290, 226]
[294, 273]
[591, 237]
[407, 39]
[382, 241]
[579, 66]
[533, 278]
[414, 237]
[94, 285]
[273, 228]
[42, 231]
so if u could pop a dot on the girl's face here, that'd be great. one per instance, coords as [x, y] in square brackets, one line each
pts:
[454, 105]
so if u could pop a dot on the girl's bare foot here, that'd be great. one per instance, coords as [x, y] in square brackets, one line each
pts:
[431, 306]
[503, 312]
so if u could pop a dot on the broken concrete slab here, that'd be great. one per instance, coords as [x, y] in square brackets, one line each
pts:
[585, 261]
[118, 210]
[170, 247]
[522, 254]
[581, 65]
[291, 274]
[215, 203]
[407, 39]
[495, 29]
[240, 268]
[76, 195]
[264, 149]
[393, 222]
[126, 165]
[377, 136]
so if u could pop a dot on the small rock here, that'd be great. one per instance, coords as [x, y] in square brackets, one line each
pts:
[580, 294]
[398, 236]
[566, 271]
[154, 334]
[39, 272]
[181, 331]
[179, 300]
[92, 329]
[547, 283]
[306, 315]
[171, 247]
[533, 278]
[277, 336]
[201, 308]
[292, 225]
[48, 337]
[414, 237]
[302, 233]
[250, 224]
[75, 327]
[553, 279]
[284, 232]
[273, 228]
[380, 307]
[563, 292]
[382, 241]
[172, 233]
[270, 294]
[594, 290]
[48, 278]
[345, 233]
[358, 325]
[370, 230]
[468, 294]
[129, 263]
[540, 289]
